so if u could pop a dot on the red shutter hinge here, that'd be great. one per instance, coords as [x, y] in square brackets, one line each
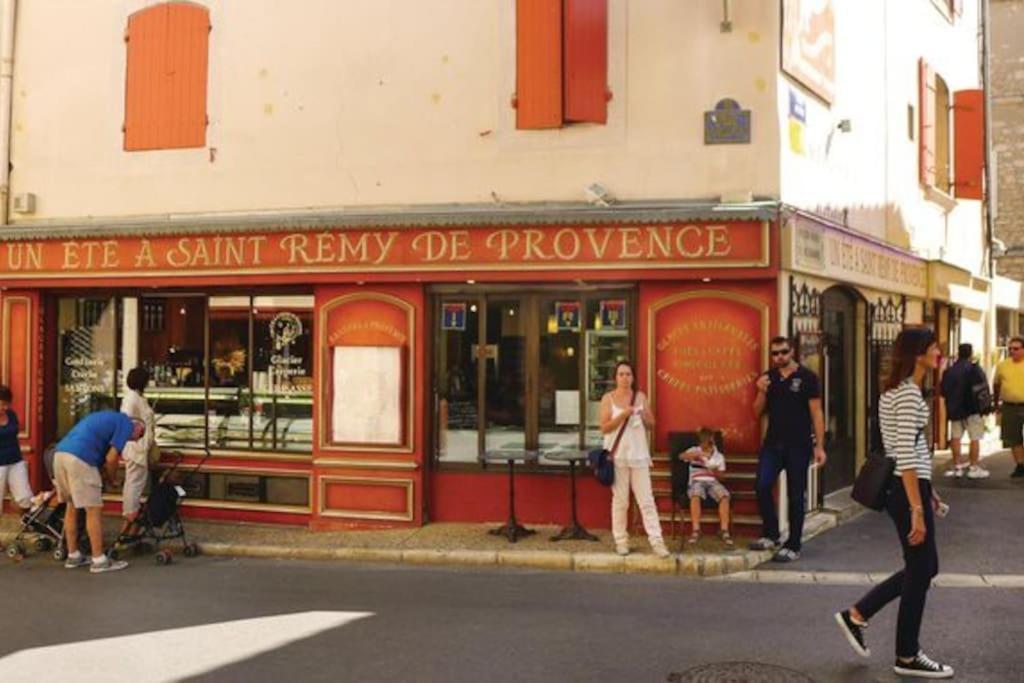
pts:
[514, 101]
[608, 95]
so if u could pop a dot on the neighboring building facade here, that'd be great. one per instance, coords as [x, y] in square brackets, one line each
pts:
[355, 253]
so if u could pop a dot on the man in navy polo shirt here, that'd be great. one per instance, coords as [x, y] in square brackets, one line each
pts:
[791, 395]
[86, 457]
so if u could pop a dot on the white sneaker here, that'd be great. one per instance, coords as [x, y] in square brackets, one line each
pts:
[107, 565]
[660, 550]
[957, 471]
[622, 549]
[977, 472]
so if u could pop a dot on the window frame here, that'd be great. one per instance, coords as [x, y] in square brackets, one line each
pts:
[530, 297]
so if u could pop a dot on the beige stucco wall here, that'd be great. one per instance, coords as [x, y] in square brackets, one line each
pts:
[322, 104]
[869, 176]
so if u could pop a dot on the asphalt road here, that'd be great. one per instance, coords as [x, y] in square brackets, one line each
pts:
[338, 622]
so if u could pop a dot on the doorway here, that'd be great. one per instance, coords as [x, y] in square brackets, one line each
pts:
[839, 388]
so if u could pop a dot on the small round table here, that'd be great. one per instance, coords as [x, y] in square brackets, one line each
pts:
[574, 531]
[511, 529]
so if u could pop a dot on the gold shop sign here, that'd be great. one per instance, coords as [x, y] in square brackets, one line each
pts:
[683, 245]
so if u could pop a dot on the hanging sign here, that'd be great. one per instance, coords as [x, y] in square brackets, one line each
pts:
[613, 314]
[453, 317]
[567, 313]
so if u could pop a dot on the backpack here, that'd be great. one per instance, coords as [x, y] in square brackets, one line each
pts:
[981, 395]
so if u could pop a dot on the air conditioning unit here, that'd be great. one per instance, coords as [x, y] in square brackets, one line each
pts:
[25, 202]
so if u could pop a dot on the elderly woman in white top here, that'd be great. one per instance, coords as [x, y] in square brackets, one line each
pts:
[136, 453]
[632, 459]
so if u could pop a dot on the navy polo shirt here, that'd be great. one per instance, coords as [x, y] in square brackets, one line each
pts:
[789, 409]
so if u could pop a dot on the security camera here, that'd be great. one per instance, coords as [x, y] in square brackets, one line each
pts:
[998, 247]
[597, 195]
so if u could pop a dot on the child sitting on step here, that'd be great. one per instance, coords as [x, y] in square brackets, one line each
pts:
[706, 467]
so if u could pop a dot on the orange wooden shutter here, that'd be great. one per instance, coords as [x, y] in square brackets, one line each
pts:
[538, 63]
[926, 137]
[968, 143]
[586, 60]
[165, 83]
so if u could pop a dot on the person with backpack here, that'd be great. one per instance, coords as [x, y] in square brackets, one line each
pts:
[965, 391]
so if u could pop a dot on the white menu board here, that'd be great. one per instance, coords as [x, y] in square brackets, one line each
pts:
[367, 395]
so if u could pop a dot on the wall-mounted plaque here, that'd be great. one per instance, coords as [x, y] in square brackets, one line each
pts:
[453, 316]
[727, 124]
[613, 314]
[567, 313]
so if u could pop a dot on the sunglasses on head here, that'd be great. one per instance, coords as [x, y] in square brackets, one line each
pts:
[780, 352]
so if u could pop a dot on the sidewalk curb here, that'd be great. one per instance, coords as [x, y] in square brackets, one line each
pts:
[689, 565]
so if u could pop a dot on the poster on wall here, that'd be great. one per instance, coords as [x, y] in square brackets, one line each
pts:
[808, 45]
[567, 313]
[613, 314]
[366, 405]
[453, 317]
[808, 350]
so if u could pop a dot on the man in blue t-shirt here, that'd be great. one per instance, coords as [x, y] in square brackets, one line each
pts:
[86, 457]
[791, 396]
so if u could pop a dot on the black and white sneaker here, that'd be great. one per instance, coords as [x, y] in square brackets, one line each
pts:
[922, 666]
[854, 632]
[786, 555]
[765, 543]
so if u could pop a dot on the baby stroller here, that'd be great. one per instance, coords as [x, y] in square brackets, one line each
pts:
[44, 522]
[158, 518]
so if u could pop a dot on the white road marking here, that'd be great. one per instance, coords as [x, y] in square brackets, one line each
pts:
[865, 579]
[169, 655]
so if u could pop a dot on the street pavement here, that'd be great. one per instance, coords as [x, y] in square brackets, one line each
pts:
[223, 619]
[363, 622]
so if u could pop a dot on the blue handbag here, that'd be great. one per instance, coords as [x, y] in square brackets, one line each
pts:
[600, 459]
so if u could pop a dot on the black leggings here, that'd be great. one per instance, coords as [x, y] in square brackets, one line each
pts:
[920, 565]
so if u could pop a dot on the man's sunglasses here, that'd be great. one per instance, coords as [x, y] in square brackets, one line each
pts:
[1016, 348]
[780, 352]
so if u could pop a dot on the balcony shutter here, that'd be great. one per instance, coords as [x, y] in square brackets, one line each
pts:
[538, 63]
[968, 143]
[926, 137]
[165, 81]
[586, 60]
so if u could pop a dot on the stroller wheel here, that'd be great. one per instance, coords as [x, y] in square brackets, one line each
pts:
[163, 557]
[16, 551]
[191, 550]
[61, 553]
[43, 544]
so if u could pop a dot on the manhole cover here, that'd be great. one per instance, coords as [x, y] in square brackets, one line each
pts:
[739, 672]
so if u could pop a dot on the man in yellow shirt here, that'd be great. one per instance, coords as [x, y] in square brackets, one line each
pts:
[1008, 390]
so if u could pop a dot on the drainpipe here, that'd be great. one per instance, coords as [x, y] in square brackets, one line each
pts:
[9, 10]
[986, 84]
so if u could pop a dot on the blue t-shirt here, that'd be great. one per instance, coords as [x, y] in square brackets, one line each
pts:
[10, 451]
[95, 434]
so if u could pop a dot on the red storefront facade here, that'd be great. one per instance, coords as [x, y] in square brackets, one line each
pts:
[347, 376]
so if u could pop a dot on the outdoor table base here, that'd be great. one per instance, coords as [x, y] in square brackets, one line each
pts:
[512, 529]
[575, 531]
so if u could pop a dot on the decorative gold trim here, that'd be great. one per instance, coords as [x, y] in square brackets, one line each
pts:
[246, 455]
[25, 414]
[410, 380]
[367, 464]
[652, 310]
[407, 516]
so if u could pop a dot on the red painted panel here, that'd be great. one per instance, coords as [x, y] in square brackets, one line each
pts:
[165, 80]
[366, 497]
[538, 63]
[969, 143]
[586, 60]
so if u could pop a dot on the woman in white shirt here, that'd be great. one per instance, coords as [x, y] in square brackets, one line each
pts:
[136, 453]
[911, 503]
[632, 459]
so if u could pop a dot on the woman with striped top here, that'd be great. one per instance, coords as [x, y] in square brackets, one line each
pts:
[903, 417]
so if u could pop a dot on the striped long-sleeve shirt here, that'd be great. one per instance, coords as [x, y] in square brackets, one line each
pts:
[902, 416]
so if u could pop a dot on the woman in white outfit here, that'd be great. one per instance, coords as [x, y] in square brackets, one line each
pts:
[632, 459]
[136, 453]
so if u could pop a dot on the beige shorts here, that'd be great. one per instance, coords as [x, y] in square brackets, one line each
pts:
[707, 488]
[77, 481]
[973, 425]
[134, 484]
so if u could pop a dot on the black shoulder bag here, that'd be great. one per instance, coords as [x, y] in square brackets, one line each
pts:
[871, 488]
[601, 458]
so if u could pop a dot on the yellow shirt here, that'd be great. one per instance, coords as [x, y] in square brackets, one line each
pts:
[1010, 378]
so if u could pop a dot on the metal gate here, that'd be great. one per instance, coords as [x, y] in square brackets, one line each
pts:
[886, 318]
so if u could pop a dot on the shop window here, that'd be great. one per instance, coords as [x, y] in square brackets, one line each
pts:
[561, 62]
[165, 80]
[226, 372]
[527, 371]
